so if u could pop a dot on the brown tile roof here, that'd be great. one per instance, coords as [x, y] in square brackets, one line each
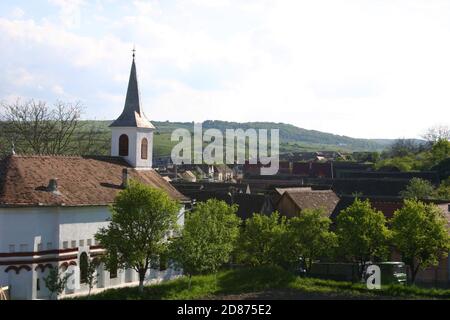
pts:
[82, 180]
[281, 191]
[313, 199]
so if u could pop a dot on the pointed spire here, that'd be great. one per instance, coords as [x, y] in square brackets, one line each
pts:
[132, 115]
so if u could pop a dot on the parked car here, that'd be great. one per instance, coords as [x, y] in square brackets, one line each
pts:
[392, 272]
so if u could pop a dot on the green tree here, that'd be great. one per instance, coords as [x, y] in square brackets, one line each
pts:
[309, 233]
[443, 191]
[207, 238]
[91, 274]
[418, 189]
[55, 282]
[440, 150]
[142, 217]
[362, 233]
[403, 147]
[420, 233]
[259, 241]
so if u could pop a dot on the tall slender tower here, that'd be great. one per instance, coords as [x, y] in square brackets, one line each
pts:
[132, 132]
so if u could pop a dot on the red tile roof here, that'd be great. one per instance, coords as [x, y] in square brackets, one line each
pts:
[82, 180]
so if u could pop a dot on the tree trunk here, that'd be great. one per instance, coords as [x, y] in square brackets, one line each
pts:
[414, 271]
[361, 269]
[189, 282]
[141, 280]
[309, 265]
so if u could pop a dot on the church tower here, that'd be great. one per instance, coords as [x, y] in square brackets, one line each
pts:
[132, 132]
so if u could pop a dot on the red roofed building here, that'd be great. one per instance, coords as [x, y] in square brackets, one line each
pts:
[51, 206]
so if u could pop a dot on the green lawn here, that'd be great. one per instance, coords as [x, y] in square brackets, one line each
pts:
[280, 283]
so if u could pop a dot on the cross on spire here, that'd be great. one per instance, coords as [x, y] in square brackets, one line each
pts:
[134, 52]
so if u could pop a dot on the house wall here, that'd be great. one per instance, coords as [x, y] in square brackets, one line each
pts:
[55, 236]
[287, 207]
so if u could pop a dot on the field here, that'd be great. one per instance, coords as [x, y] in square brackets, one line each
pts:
[265, 283]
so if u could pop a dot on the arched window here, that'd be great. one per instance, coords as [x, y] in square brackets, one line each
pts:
[123, 145]
[84, 266]
[144, 148]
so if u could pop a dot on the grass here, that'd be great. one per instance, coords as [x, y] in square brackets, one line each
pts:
[241, 281]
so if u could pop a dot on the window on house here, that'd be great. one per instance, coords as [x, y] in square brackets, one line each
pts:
[73, 244]
[39, 247]
[84, 264]
[81, 243]
[12, 248]
[65, 244]
[23, 247]
[38, 284]
[144, 149]
[49, 246]
[89, 242]
[123, 145]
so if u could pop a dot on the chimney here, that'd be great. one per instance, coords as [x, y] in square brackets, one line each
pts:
[125, 177]
[53, 185]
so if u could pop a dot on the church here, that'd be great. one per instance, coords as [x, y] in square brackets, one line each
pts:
[51, 206]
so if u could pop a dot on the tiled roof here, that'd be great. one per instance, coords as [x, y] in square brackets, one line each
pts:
[281, 191]
[313, 199]
[81, 180]
[247, 203]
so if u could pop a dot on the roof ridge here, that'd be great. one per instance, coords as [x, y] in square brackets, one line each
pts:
[36, 155]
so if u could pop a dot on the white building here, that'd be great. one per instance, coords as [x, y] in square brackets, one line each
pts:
[51, 207]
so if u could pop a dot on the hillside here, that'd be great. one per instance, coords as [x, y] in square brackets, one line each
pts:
[292, 138]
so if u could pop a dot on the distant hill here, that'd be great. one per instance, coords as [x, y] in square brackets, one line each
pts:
[292, 138]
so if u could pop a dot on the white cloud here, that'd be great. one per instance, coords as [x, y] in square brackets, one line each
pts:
[70, 12]
[17, 13]
[361, 68]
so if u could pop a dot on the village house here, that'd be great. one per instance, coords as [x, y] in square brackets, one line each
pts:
[187, 176]
[51, 206]
[293, 200]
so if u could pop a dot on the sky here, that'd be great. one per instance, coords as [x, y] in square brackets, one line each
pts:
[366, 69]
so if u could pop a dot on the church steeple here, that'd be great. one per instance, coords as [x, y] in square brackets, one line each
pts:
[132, 132]
[132, 114]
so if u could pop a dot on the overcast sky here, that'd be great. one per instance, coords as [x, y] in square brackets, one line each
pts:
[373, 69]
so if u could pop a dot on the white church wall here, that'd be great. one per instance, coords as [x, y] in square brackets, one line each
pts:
[32, 230]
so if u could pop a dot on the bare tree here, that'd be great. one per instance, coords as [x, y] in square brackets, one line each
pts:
[435, 133]
[33, 126]
[66, 120]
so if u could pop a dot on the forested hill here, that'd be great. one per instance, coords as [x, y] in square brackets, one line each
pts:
[290, 136]
[93, 137]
